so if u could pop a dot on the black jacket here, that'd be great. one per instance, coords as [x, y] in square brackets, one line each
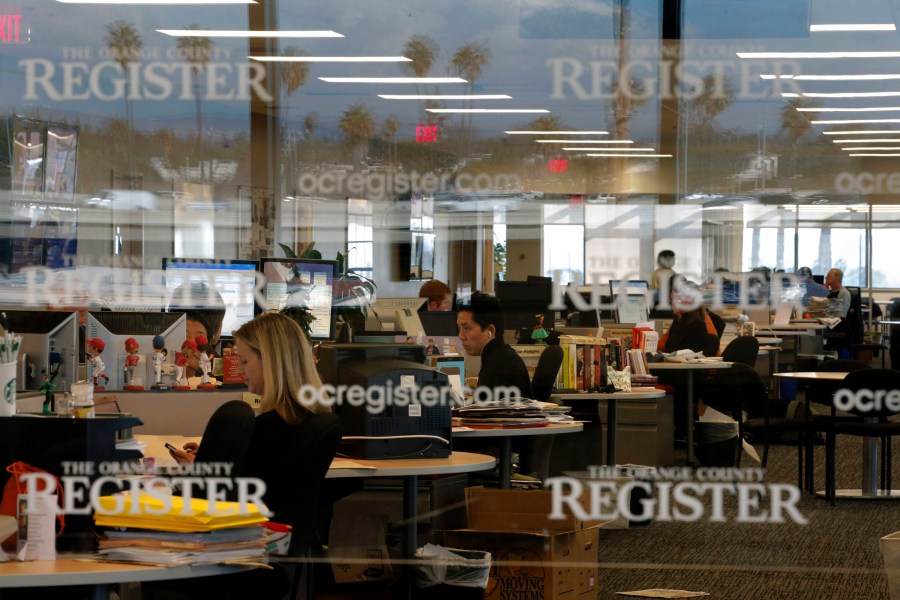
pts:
[502, 366]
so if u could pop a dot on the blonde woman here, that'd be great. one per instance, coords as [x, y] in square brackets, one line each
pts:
[292, 444]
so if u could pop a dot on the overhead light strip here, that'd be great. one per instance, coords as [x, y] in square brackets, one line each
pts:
[167, 2]
[863, 132]
[582, 149]
[334, 59]
[853, 27]
[868, 141]
[833, 109]
[534, 132]
[392, 79]
[890, 54]
[850, 94]
[486, 110]
[242, 33]
[632, 155]
[871, 148]
[445, 96]
[864, 154]
[853, 121]
[584, 141]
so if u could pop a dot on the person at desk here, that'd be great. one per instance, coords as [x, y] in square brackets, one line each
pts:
[204, 312]
[438, 294]
[278, 363]
[834, 281]
[692, 326]
[481, 327]
[811, 288]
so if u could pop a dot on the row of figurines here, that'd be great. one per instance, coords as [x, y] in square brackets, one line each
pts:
[196, 348]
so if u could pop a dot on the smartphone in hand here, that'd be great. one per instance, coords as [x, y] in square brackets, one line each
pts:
[170, 447]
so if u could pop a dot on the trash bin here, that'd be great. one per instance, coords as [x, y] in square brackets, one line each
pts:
[890, 551]
[450, 573]
[717, 444]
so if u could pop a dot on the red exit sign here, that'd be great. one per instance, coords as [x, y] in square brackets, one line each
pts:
[558, 165]
[12, 30]
[426, 133]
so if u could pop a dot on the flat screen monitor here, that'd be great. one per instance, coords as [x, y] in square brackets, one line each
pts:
[233, 280]
[49, 347]
[523, 300]
[116, 327]
[630, 286]
[441, 323]
[306, 282]
[632, 308]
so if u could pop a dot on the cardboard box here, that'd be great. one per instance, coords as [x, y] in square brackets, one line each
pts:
[357, 547]
[550, 566]
[489, 509]
[532, 556]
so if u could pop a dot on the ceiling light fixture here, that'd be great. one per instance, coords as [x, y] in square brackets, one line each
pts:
[871, 148]
[868, 141]
[850, 94]
[527, 132]
[853, 121]
[243, 33]
[134, 2]
[582, 149]
[866, 109]
[866, 54]
[584, 141]
[445, 96]
[864, 154]
[634, 155]
[392, 79]
[863, 132]
[864, 77]
[853, 27]
[353, 59]
[487, 110]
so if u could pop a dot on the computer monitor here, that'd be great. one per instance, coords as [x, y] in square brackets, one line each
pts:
[234, 280]
[307, 282]
[398, 320]
[116, 327]
[632, 308]
[395, 424]
[441, 323]
[630, 286]
[522, 300]
[49, 347]
[395, 303]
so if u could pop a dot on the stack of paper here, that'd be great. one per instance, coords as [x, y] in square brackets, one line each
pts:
[499, 413]
[167, 531]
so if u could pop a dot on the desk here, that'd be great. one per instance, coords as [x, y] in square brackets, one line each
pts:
[70, 571]
[408, 469]
[869, 490]
[506, 433]
[611, 414]
[689, 368]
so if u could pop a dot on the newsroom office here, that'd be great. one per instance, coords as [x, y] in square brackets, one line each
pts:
[237, 155]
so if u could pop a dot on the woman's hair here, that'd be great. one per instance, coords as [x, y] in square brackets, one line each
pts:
[287, 364]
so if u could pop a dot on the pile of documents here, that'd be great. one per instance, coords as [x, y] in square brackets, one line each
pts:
[166, 531]
[520, 412]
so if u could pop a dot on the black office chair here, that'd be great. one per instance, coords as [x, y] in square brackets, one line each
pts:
[545, 372]
[874, 380]
[744, 350]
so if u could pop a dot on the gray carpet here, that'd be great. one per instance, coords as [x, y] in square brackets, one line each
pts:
[836, 555]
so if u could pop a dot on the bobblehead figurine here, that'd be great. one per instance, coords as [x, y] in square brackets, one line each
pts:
[132, 361]
[95, 347]
[188, 349]
[205, 360]
[158, 358]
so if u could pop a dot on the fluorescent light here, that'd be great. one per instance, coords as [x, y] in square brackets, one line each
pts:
[871, 148]
[853, 121]
[864, 154]
[557, 132]
[393, 79]
[353, 59]
[487, 110]
[119, 2]
[868, 141]
[238, 33]
[863, 132]
[854, 27]
[445, 96]
[866, 109]
[634, 155]
[605, 149]
[864, 77]
[789, 95]
[818, 54]
[850, 94]
[584, 141]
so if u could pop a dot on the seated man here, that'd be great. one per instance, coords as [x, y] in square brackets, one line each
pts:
[438, 293]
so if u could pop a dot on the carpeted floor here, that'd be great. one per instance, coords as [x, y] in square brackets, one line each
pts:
[836, 555]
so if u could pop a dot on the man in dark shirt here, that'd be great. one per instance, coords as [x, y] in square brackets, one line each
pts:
[481, 328]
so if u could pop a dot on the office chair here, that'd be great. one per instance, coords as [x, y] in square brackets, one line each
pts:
[545, 372]
[535, 455]
[874, 423]
[744, 350]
